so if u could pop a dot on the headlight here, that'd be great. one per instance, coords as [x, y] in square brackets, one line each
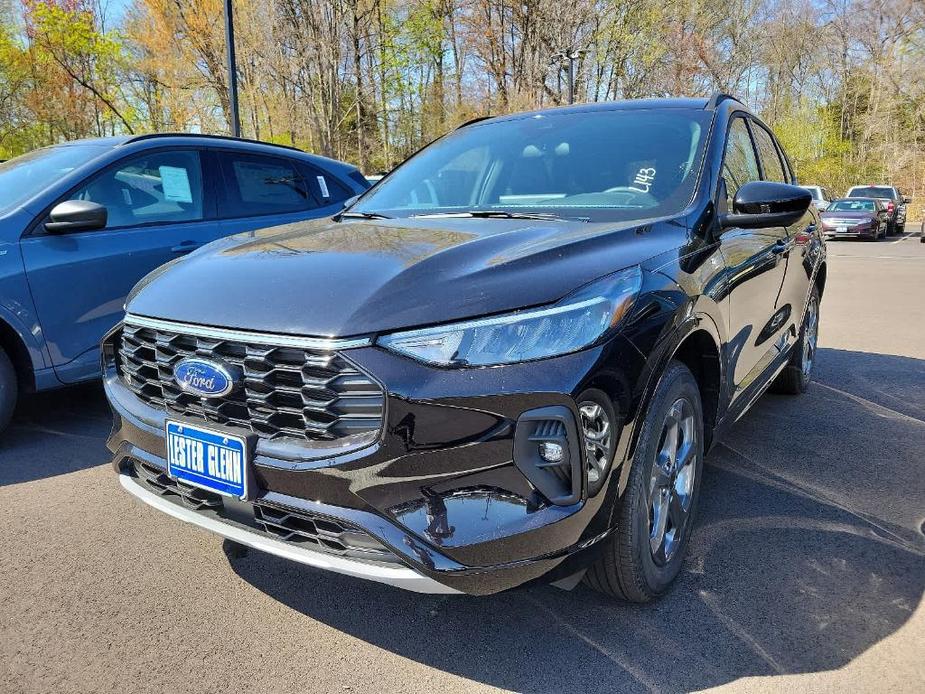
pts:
[576, 322]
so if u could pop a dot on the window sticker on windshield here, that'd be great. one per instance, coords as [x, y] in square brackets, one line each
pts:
[175, 183]
[324, 187]
[643, 180]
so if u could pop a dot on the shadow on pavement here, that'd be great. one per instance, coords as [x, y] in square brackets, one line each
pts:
[55, 433]
[807, 554]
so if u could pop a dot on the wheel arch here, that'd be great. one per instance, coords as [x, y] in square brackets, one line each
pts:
[820, 278]
[14, 346]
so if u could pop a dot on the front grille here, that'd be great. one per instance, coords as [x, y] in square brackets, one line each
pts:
[300, 527]
[158, 482]
[288, 392]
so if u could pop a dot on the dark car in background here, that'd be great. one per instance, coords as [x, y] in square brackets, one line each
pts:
[894, 200]
[855, 218]
[504, 363]
[82, 222]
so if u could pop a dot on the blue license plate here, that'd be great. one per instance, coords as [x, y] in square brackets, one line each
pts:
[205, 458]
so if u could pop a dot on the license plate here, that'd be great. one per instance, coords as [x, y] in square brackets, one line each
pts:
[841, 230]
[206, 458]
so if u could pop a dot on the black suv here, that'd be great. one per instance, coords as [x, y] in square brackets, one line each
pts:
[504, 363]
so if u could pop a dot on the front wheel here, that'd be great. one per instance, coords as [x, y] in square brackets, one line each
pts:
[642, 558]
[8, 390]
[795, 377]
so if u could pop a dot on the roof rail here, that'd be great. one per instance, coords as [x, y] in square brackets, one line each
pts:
[152, 136]
[473, 121]
[720, 97]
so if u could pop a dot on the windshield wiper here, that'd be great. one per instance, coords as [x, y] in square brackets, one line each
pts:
[506, 214]
[364, 215]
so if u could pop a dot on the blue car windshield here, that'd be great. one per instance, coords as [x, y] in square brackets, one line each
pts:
[602, 166]
[25, 176]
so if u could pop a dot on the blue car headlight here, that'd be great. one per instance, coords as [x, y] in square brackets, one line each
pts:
[577, 321]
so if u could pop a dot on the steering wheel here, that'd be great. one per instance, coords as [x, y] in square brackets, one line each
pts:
[635, 195]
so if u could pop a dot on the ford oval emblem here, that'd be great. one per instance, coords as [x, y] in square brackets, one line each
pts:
[204, 377]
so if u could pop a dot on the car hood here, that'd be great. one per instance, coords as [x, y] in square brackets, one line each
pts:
[327, 278]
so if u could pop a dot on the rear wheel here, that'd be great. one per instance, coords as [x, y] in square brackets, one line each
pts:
[795, 377]
[8, 390]
[644, 555]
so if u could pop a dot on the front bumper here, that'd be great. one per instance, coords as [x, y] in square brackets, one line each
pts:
[855, 232]
[439, 491]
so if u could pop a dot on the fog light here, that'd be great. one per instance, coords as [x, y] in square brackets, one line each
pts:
[551, 452]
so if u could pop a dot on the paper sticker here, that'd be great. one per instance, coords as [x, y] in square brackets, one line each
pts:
[175, 182]
[643, 180]
[324, 187]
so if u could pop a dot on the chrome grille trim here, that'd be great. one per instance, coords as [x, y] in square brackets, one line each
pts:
[231, 335]
[294, 393]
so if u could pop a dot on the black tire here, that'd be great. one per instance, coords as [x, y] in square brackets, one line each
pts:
[628, 568]
[795, 377]
[8, 390]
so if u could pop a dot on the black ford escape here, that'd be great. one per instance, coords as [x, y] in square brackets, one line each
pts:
[504, 363]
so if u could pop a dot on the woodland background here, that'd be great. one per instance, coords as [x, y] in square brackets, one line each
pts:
[370, 81]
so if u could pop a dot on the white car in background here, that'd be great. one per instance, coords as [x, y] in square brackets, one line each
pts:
[821, 197]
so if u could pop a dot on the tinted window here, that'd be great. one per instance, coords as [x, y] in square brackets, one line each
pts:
[770, 159]
[325, 187]
[158, 187]
[23, 177]
[601, 165]
[257, 185]
[871, 192]
[740, 166]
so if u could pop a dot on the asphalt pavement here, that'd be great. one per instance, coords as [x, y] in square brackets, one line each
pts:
[806, 572]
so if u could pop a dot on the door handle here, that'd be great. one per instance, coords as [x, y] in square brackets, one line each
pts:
[186, 247]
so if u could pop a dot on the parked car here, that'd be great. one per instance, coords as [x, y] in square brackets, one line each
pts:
[856, 218]
[821, 197]
[894, 200]
[504, 363]
[80, 223]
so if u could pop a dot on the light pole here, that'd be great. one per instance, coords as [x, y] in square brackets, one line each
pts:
[232, 70]
[572, 57]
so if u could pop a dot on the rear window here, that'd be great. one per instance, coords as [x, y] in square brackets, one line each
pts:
[872, 192]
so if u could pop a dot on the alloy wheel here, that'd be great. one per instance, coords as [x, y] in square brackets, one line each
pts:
[810, 334]
[596, 429]
[671, 484]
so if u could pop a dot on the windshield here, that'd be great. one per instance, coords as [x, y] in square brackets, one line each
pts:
[872, 192]
[25, 176]
[603, 166]
[854, 205]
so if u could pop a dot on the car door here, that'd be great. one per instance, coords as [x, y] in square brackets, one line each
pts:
[798, 269]
[754, 268]
[157, 210]
[262, 191]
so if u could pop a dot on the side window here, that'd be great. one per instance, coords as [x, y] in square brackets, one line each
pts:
[740, 165]
[770, 159]
[160, 187]
[257, 185]
[325, 187]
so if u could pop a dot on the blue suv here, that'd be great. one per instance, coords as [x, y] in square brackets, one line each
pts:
[81, 223]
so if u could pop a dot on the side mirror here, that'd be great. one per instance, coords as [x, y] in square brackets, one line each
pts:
[76, 215]
[907, 200]
[349, 201]
[767, 204]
